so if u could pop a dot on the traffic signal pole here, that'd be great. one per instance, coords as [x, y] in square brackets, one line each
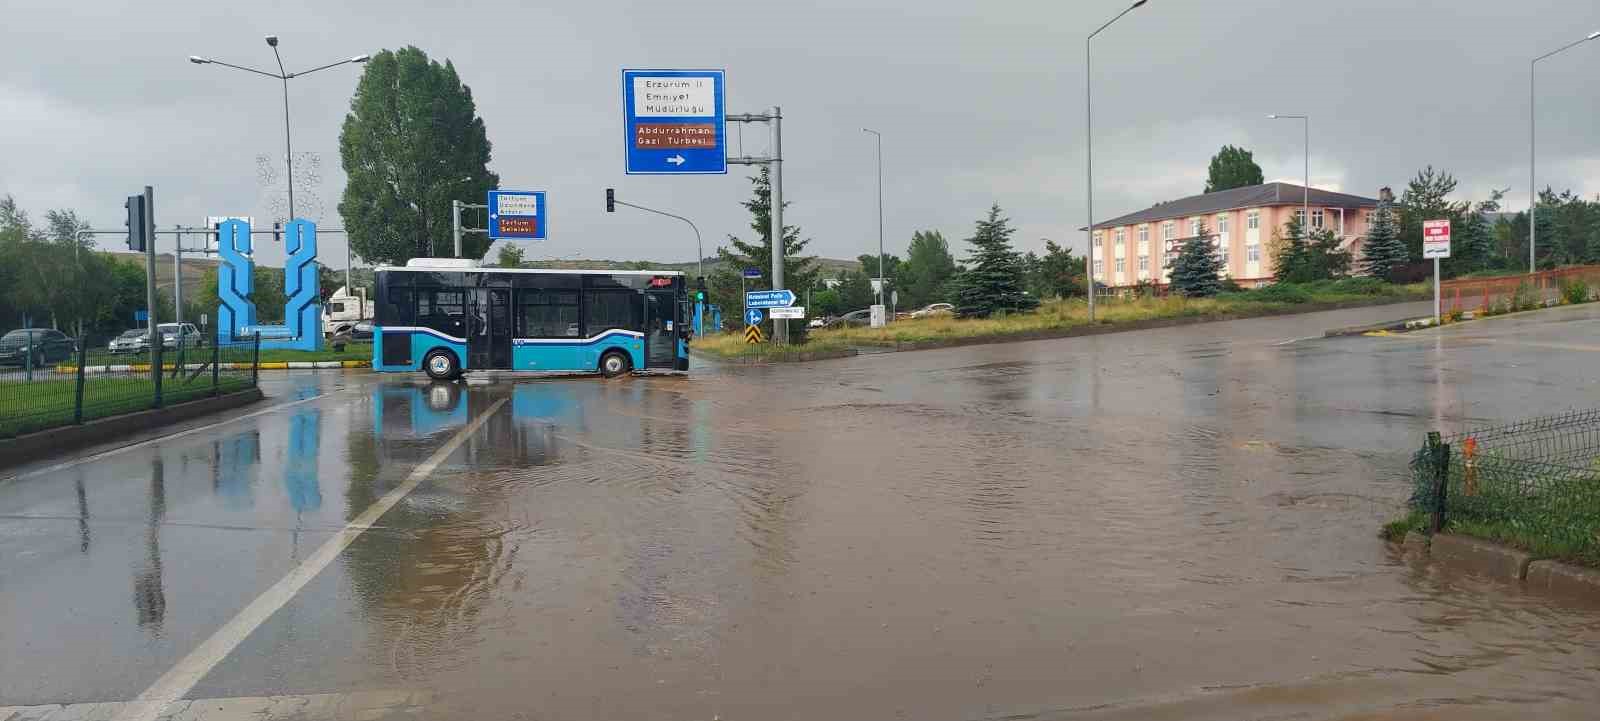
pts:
[699, 253]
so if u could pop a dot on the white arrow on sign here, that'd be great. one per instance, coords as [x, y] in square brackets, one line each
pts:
[677, 160]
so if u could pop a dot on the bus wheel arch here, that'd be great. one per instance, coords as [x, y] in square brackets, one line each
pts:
[615, 362]
[441, 364]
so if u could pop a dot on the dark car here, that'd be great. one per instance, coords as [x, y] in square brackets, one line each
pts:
[46, 346]
[853, 318]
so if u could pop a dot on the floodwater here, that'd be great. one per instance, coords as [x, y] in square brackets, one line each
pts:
[1177, 523]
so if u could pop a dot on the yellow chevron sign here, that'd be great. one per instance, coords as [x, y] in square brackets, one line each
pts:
[752, 334]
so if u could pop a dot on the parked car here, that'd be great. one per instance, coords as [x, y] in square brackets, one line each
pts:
[822, 322]
[172, 334]
[133, 340]
[45, 345]
[357, 331]
[934, 309]
[853, 318]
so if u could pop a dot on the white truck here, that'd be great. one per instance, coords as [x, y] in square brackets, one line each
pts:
[343, 310]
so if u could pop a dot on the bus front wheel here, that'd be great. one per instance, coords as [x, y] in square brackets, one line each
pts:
[441, 365]
[614, 363]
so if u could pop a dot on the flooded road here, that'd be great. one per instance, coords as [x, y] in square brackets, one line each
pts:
[1177, 523]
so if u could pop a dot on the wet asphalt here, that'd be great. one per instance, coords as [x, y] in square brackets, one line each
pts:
[1176, 523]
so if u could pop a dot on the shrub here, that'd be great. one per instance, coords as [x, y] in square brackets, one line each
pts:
[1282, 293]
[1361, 286]
[1454, 315]
[1574, 290]
[1526, 297]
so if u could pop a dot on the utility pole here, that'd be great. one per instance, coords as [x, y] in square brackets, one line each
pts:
[177, 280]
[780, 326]
[150, 271]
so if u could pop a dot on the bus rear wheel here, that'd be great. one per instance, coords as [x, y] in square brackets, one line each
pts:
[441, 365]
[614, 363]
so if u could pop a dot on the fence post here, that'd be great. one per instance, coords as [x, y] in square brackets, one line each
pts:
[216, 355]
[155, 363]
[77, 401]
[1439, 454]
[255, 363]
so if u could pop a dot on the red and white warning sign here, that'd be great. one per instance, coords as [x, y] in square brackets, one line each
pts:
[1436, 238]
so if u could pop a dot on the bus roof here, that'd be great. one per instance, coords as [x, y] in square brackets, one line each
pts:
[544, 271]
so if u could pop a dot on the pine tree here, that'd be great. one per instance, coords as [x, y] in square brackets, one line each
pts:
[1383, 249]
[1291, 264]
[1198, 272]
[995, 280]
[799, 271]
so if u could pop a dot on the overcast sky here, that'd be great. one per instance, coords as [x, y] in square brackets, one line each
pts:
[978, 103]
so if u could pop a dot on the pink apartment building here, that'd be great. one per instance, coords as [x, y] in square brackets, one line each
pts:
[1141, 247]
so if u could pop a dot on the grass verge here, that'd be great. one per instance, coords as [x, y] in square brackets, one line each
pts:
[233, 354]
[1066, 317]
[46, 403]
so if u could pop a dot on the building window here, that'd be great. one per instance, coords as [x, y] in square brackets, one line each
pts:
[1194, 226]
[1222, 223]
[1098, 237]
[1099, 267]
[1252, 253]
[1222, 252]
[1144, 264]
[1144, 246]
[1252, 219]
[1316, 218]
[1300, 215]
[1122, 264]
[1121, 235]
[1144, 234]
[1168, 229]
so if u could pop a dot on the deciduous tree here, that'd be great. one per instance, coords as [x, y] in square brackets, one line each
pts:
[1232, 168]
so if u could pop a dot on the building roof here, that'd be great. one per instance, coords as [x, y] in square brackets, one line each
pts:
[1250, 196]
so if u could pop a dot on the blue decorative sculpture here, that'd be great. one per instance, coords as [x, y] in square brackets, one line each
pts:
[302, 314]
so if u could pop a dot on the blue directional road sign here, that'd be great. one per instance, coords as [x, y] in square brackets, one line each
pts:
[752, 272]
[752, 316]
[674, 122]
[518, 214]
[769, 299]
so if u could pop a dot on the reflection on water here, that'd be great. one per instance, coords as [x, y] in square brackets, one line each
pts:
[300, 463]
[235, 463]
[149, 595]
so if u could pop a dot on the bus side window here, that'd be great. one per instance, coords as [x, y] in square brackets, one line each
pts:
[397, 308]
[442, 310]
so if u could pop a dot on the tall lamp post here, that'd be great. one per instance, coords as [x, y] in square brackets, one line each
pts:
[881, 278]
[288, 149]
[1088, 147]
[1305, 202]
[1533, 198]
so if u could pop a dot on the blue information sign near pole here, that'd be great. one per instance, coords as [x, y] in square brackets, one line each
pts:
[752, 316]
[780, 298]
[518, 215]
[675, 122]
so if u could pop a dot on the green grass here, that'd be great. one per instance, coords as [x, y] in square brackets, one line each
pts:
[46, 403]
[233, 354]
[1063, 316]
[1397, 529]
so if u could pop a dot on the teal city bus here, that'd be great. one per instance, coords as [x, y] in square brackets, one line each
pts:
[445, 317]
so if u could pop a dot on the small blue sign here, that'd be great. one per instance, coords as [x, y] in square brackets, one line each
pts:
[674, 122]
[517, 215]
[769, 299]
[752, 272]
[752, 316]
[141, 316]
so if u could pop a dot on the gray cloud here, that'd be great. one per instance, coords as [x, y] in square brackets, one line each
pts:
[978, 103]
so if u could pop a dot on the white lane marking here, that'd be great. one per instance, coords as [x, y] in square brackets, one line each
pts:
[181, 678]
[163, 439]
[1297, 340]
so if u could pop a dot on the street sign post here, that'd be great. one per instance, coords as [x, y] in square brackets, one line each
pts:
[769, 298]
[792, 312]
[752, 316]
[675, 122]
[1436, 245]
[752, 273]
[518, 215]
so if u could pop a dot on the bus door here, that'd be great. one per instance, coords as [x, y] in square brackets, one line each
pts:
[489, 332]
[660, 329]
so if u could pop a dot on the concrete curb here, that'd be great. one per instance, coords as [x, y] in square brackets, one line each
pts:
[15, 451]
[1384, 328]
[1504, 563]
[69, 369]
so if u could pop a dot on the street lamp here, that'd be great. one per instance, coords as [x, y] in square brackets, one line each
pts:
[1533, 198]
[272, 41]
[1305, 203]
[881, 278]
[1088, 148]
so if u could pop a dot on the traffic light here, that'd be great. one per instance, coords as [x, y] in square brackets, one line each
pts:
[611, 200]
[700, 290]
[136, 228]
